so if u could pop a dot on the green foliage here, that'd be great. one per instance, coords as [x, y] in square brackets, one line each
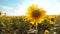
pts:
[22, 26]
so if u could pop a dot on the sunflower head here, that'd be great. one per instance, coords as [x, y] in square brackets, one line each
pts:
[46, 32]
[51, 19]
[35, 14]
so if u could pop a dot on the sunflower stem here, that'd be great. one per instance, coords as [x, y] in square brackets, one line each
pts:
[36, 27]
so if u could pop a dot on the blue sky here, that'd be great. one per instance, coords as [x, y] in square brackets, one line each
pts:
[19, 7]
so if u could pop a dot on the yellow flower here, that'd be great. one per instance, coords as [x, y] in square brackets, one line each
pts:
[51, 19]
[7, 19]
[35, 14]
[24, 18]
[46, 32]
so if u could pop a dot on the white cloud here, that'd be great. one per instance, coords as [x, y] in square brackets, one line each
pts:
[5, 9]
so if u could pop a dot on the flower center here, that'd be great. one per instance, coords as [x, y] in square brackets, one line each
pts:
[36, 14]
[52, 19]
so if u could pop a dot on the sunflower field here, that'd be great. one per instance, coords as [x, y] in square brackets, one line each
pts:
[35, 22]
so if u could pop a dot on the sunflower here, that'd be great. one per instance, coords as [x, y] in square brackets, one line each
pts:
[51, 19]
[46, 32]
[7, 19]
[35, 14]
